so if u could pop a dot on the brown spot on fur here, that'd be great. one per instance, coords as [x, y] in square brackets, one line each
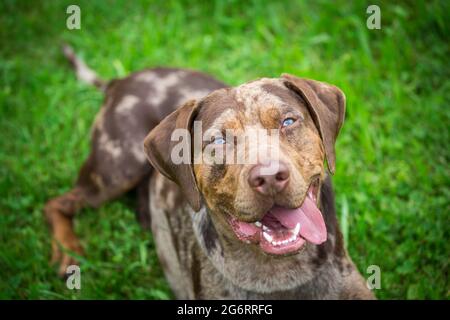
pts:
[322, 254]
[270, 118]
[196, 276]
[210, 235]
[143, 210]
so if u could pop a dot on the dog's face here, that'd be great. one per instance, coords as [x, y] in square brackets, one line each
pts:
[260, 161]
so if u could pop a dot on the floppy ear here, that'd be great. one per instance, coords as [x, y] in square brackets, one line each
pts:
[326, 103]
[158, 147]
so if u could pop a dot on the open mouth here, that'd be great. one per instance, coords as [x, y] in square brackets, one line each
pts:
[285, 231]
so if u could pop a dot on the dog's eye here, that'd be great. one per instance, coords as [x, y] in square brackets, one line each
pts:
[219, 140]
[288, 122]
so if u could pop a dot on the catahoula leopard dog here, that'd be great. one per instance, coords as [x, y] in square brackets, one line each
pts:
[264, 229]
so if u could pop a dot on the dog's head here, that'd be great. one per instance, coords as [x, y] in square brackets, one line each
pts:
[255, 156]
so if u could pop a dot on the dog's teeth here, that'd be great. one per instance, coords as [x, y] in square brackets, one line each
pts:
[267, 236]
[294, 233]
[258, 224]
[296, 229]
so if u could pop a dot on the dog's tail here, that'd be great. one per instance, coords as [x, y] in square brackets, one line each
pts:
[83, 72]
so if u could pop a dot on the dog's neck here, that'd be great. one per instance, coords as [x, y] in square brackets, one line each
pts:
[247, 267]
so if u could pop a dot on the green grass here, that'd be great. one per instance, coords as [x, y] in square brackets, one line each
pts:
[392, 178]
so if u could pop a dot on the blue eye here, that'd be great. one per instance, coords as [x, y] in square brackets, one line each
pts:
[219, 140]
[288, 122]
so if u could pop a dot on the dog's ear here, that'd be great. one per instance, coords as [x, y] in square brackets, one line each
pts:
[158, 146]
[326, 103]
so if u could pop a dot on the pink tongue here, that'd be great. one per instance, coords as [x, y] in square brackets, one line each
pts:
[312, 225]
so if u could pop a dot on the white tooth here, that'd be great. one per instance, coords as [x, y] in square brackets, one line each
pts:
[258, 224]
[267, 236]
[265, 228]
[296, 229]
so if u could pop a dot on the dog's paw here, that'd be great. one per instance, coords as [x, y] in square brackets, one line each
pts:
[63, 255]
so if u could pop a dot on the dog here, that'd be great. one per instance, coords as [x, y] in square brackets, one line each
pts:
[265, 229]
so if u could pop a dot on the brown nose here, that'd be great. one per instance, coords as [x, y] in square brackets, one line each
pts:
[270, 178]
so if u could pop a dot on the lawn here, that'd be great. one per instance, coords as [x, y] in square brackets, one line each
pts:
[392, 179]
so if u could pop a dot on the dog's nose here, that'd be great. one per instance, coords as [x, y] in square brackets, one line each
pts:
[270, 178]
